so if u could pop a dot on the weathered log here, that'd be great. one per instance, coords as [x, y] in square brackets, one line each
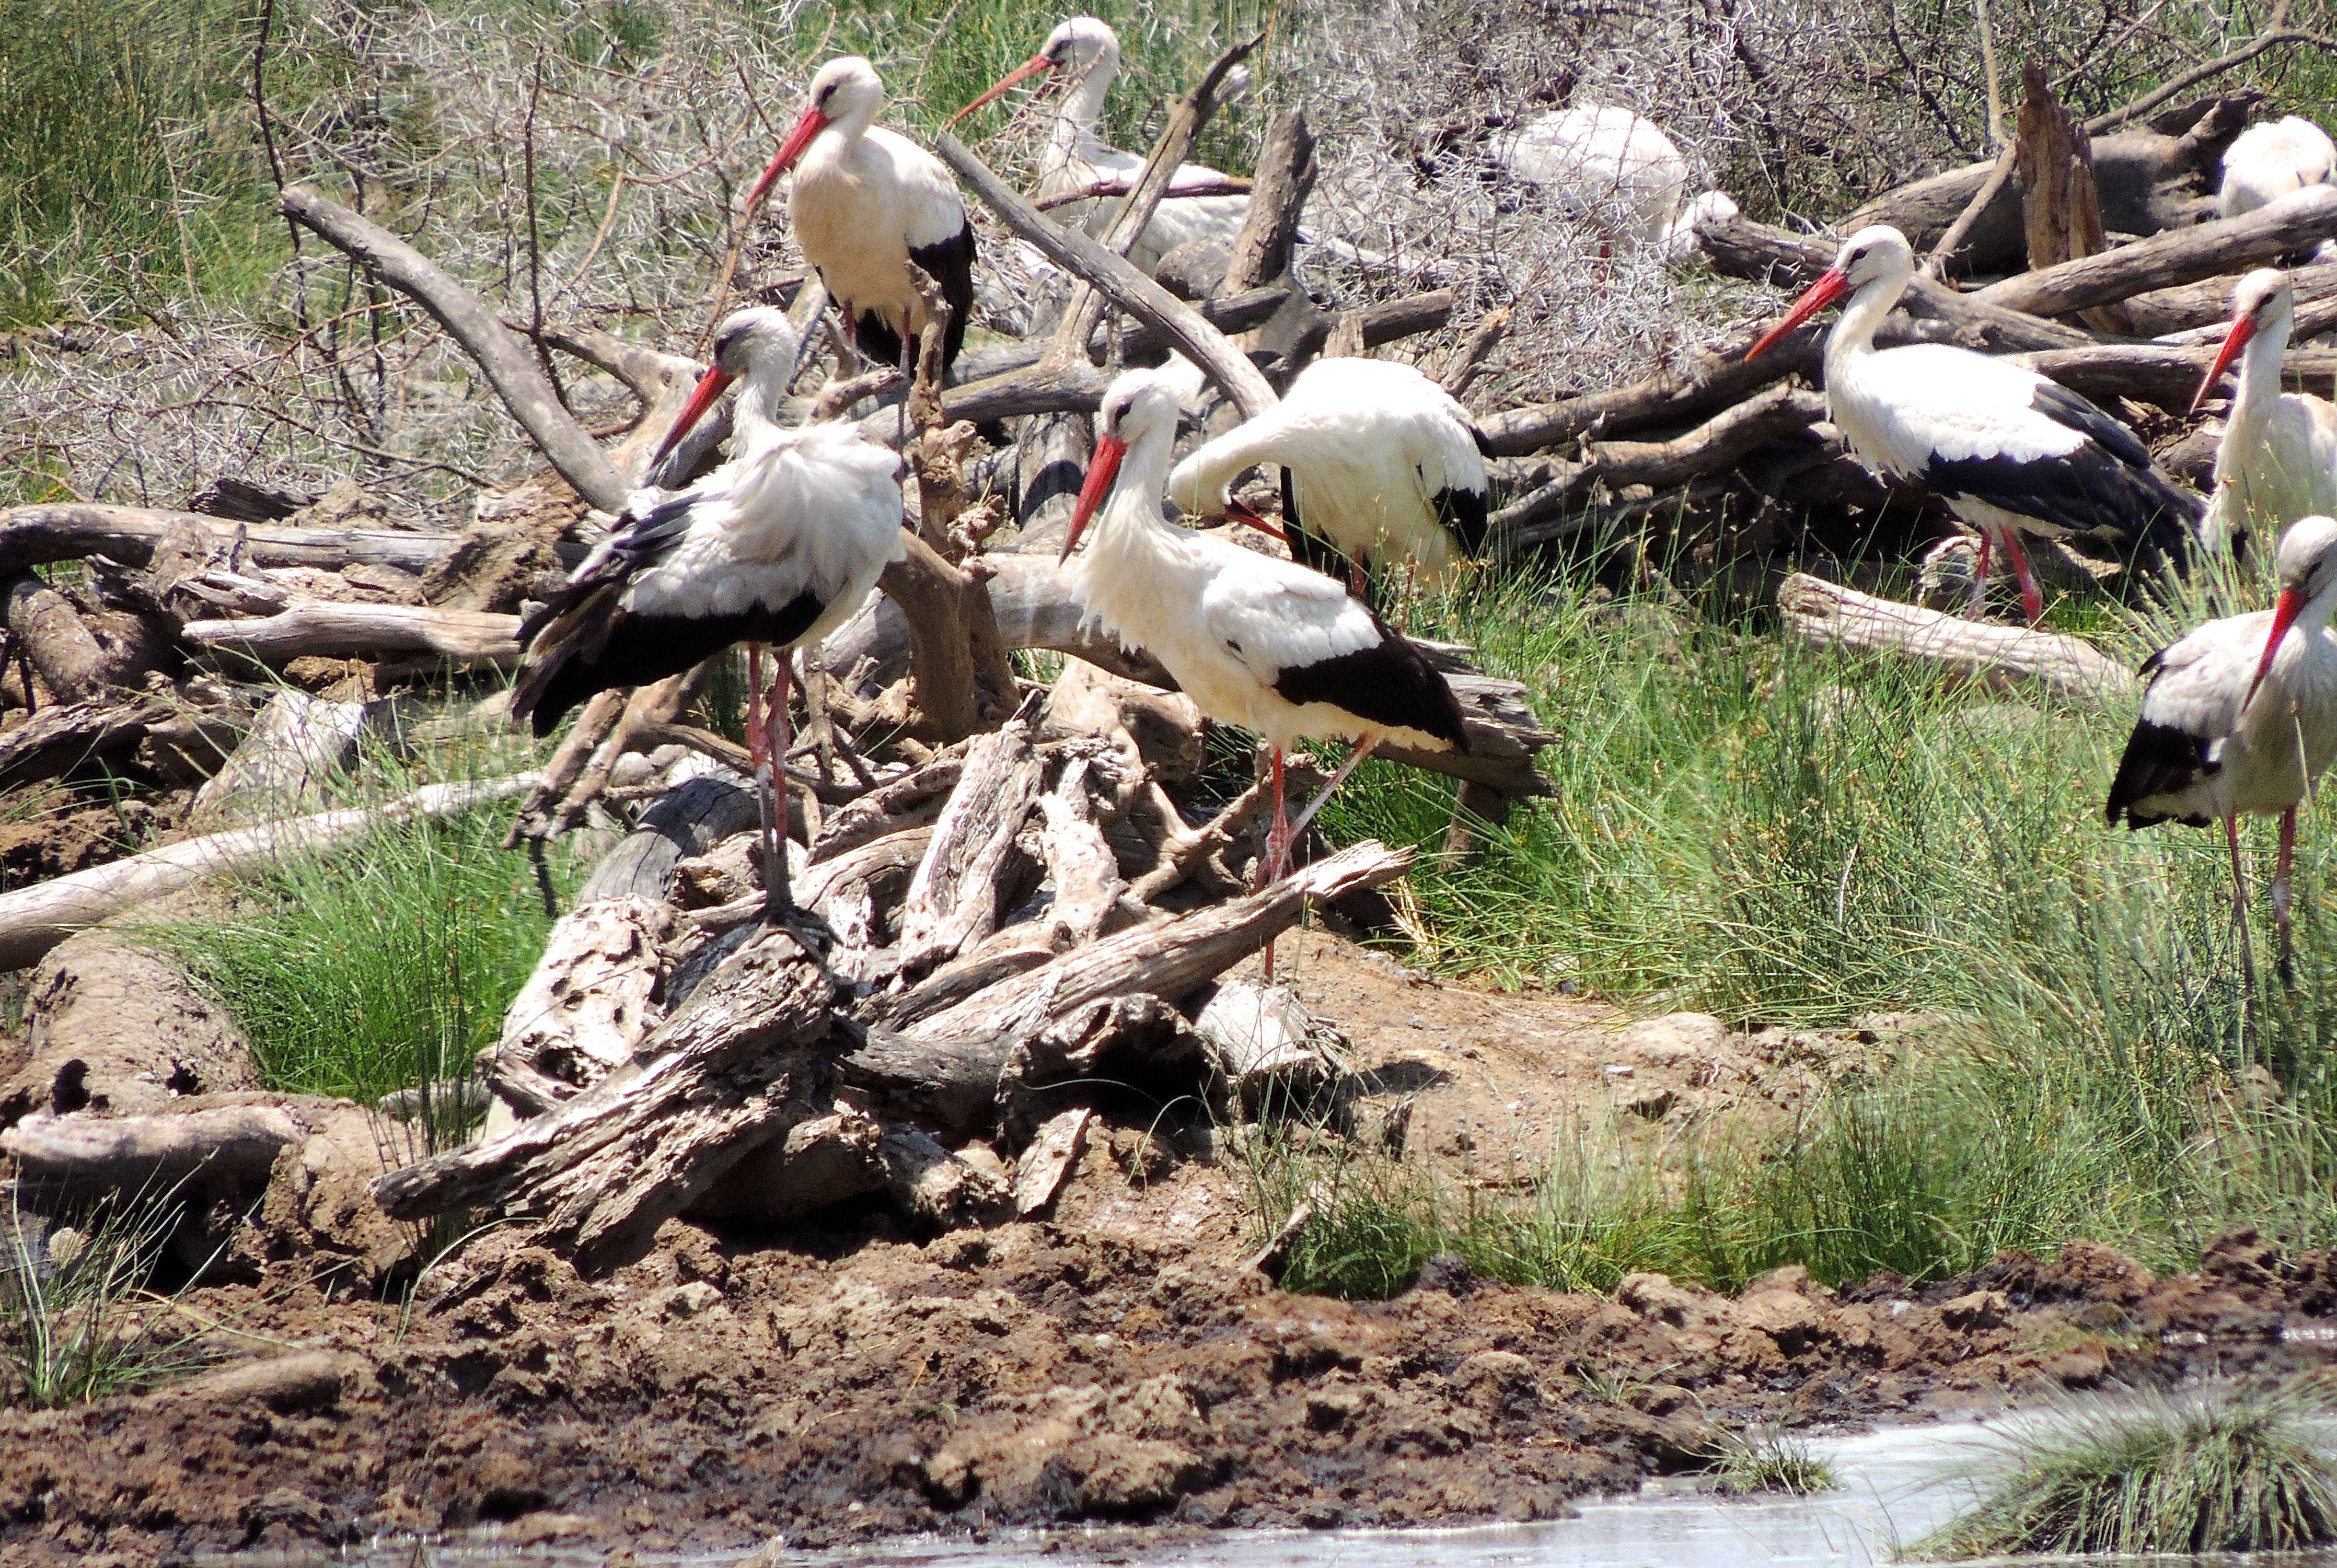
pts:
[2205, 307]
[1260, 253]
[297, 745]
[691, 819]
[737, 1065]
[952, 900]
[70, 531]
[218, 1148]
[35, 919]
[1080, 864]
[890, 807]
[594, 995]
[509, 366]
[2296, 222]
[828, 1159]
[45, 627]
[56, 740]
[1117, 281]
[949, 1067]
[1828, 615]
[1042, 1167]
[1265, 1048]
[2164, 374]
[318, 628]
[2060, 209]
[930, 1183]
[533, 820]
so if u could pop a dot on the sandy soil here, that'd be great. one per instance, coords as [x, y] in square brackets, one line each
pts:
[1115, 1360]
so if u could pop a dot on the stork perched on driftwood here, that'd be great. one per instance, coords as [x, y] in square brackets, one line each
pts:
[2006, 448]
[2277, 461]
[2241, 716]
[868, 201]
[1379, 463]
[776, 547]
[1255, 641]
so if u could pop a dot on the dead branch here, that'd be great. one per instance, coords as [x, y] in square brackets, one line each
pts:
[1285, 177]
[2179, 255]
[73, 530]
[953, 899]
[332, 630]
[2164, 374]
[1828, 615]
[60, 738]
[220, 1147]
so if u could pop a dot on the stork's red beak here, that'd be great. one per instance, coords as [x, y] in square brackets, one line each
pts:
[810, 123]
[1235, 512]
[711, 386]
[1102, 469]
[1830, 286]
[1022, 73]
[2242, 328]
[2283, 614]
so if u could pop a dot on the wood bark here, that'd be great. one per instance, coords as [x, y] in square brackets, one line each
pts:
[1285, 178]
[44, 626]
[2205, 307]
[2061, 210]
[594, 995]
[297, 745]
[953, 899]
[321, 627]
[84, 1154]
[56, 740]
[36, 535]
[1265, 1049]
[2165, 373]
[689, 819]
[510, 367]
[2180, 256]
[35, 919]
[1828, 615]
[1041, 1169]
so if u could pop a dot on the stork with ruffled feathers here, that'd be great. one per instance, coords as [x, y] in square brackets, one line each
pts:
[2277, 461]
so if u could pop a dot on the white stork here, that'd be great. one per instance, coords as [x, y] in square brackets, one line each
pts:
[1615, 171]
[2273, 158]
[1255, 641]
[2241, 715]
[2007, 449]
[1378, 462]
[2278, 459]
[867, 201]
[779, 545]
[1086, 51]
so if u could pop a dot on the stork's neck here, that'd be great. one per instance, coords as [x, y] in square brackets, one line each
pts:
[2258, 390]
[762, 394]
[1075, 127]
[2314, 617]
[1132, 523]
[1853, 336]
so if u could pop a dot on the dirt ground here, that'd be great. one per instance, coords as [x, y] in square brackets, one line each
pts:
[1114, 1360]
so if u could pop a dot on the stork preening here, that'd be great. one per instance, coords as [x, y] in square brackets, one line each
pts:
[1255, 641]
[866, 202]
[2272, 159]
[2007, 449]
[2277, 461]
[2241, 716]
[1084, 53]
[1378, 462]
[777, 548]
[1617, 172]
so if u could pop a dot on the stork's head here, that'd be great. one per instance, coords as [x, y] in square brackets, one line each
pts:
[1138, 407]
[2264, 304]
[1076, 46]
[846, 93]
[2308, 572]
[1875, 254]
[758, 340]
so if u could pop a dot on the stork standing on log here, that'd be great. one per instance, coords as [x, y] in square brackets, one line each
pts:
[1378, 462]
[2007, 449]
[1255, 641]
[2241, 715]
[1085, 51]
[866, 202]
[2278, 459]
[778, 546]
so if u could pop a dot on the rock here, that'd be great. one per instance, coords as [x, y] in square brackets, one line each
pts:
[1977, 1310]
[1675, 1038]
[1496, 1378]
[1787, 1317]
[308, 1380]
[1655, 1296]
[1111, 1475]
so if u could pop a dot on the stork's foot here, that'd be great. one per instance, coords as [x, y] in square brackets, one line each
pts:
[811, 932]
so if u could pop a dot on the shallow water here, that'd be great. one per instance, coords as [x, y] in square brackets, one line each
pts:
[1895, 1485]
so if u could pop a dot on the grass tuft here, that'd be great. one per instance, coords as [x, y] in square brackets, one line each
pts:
[72, 1325]
[1767, 1462]
[2174, 1473]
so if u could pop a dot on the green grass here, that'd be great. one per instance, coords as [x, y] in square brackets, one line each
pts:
[2170, 1473]
[1764, 1462]
[385, 966]
[72, 1321]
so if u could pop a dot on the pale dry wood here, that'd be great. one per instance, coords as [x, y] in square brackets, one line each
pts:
[2165, 373]
[828, 1159]
[737, 1065]
[70, 531]
[928, 1183]
[591, 726]
[1828, 615]
[2297, 222]
[2060, 209]
[295, 746]
[1264, 1046]
[688, 819]
[44, 626]
[1936, 264]
[594, 995]
[513, 371]
[1468, 360]
[35, 919]
[1285, 178]
[648, 711]
[953, 899]
[1042, 1167]
[218, 1147]
[2204, 309]
[890, 806]
[1080, 864]
[324, 629]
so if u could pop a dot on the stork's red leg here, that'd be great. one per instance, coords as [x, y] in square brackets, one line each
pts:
[2031, 602]
[2281, 896]
[754, 696]
[2240, 905]
[1362, 750]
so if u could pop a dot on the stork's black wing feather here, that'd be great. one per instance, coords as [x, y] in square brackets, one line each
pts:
[1390, 682]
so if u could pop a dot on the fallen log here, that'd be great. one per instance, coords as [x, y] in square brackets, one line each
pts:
[58, 739]
[1828, 615]
[953, 899]
[2165, 373]
[45, 627]
[36, 535]
[2205, 307]
[35, 919]
[320, 627]
[2296, 222]
[280, 768]
[594, 995]
[689, 819]
[86, 1155]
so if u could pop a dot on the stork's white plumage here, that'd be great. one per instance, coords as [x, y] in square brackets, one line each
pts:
[866, 202]
[1255, 641]
[2278, 459]
[1615, 170]
[2006, 448]
[2241, 716]
[1379, 463]
[2272, 160]
[779, 545]
[1086, 52]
